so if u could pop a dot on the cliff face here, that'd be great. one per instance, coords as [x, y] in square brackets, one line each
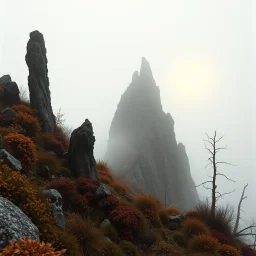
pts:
[142, 146]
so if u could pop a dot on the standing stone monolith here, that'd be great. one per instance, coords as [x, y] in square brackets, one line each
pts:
[80, 152]
[38, 82]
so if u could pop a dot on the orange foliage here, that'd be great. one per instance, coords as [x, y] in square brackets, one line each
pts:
[28, 247]
[192, 227]
[11, 129]
[23, 149]
[204, 243]
[120, 188]
[23, 109]
[227, 250]
[50, 143]
[150, 207]
[16, 188]
[28, 122]
[172, 211]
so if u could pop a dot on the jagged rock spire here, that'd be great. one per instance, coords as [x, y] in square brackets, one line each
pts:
[145, 69]
[38, 82]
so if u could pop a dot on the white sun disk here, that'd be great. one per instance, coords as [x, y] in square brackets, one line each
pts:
[191, 80]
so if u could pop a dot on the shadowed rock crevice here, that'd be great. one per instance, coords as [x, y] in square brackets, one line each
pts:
[142, 145]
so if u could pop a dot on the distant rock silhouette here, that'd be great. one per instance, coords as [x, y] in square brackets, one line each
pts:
[80, 152]
[11, 93]
[142, 145]
[38, 82]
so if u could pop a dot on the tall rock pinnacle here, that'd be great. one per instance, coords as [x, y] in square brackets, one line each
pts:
[142, 146]
[38, 81]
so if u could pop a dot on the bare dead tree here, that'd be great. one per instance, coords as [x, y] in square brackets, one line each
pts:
[238, 216]
[213, 149]
[60, 118]
[248, 230]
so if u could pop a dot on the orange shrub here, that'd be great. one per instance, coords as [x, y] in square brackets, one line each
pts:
[61, 138]
[102, 166]
[50, 143]
[15, 187]
[11, 129]
[179, 238]
[164, 217]
[24, 109]
[165, 249]
[23, 149]
[192, 227]
[120, 188]
[227, 250]
[30, 247]
[150, 207]
[28, 122]
[172, 211]
[105, 179]
[204, 243]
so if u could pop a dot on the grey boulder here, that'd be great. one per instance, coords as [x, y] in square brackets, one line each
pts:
[10, 160]
[14, 224]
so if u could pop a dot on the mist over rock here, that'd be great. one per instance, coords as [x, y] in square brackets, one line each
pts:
[142, 146]
[38, 82]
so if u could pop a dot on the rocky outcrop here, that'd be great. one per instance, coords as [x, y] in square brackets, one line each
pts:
[9, 90]
[142, 146]
[38, 82]
[80, 152]
[14, 224]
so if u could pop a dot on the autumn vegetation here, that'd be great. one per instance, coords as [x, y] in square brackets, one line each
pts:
[138, 224]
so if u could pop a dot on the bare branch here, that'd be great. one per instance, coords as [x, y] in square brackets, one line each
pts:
[239, 210]
[208, 181]
[221, 174]
[221, 195]
[222, 162]
[251, 226]
[219, 139]
[246, 234]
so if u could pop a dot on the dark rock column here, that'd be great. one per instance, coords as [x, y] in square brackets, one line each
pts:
[38, 82]
[80, 152]
[10, 91]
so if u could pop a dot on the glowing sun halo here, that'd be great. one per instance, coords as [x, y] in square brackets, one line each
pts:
[191, 79]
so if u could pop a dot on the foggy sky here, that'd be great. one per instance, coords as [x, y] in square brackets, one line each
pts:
[93, 48]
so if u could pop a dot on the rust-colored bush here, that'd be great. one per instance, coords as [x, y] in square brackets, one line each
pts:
[16, 188]
[87, 187]
[105, 179]
[50, 143]
[29, 123]
[11, 129]
[222, 238]
[192, 227]
[107, 203]
[148, 238]
[227, 250]
[72, 201]
[204, 243]
[23, 149]
[102, 166]
[180, 238]
[165, 249]
[61, 138]
[91, 239]
[24, 109]
[172, 211]
[121, 189]
[247, 251]
[192, 215]
[164, 217]
[30, 247]
[150, 207]
[127, 220]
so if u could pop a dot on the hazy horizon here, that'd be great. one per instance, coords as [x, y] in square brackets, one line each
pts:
[201, 52]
